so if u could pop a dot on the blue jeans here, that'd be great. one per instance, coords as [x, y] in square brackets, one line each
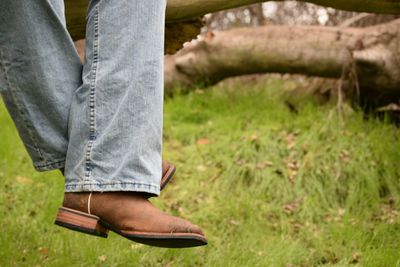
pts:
[102, 120]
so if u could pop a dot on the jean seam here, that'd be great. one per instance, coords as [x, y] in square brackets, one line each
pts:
[51, 165]
[112, 183]
[6, 79]
[92, 97]
[13, 95]
[148, 187]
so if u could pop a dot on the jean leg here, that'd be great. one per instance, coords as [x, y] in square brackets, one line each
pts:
[39, 71]
[115, 126]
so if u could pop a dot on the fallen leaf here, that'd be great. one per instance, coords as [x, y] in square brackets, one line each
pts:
[263, 165]
[260, 166]
[290, 139]
[23, 180]
[239, 162]
[344, 156]
[175, 144]
[355, 258]
[293, 206]
[292, 175]
[233, 222]
[169, 264]
[290, 208]
[203, 141]
[201, 168]
[213, 178]
[136, 246]
[268, 163]
[293, 165]
[44, 252]
[341, 212]
[297, 227]
[103, 258]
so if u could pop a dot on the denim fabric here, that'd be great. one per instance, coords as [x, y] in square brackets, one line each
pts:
[40, 70]
[102, 120]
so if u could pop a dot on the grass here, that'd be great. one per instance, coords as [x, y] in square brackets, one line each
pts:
[270, 187]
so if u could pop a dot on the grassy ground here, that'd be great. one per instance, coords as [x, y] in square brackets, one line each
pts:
[270, 188]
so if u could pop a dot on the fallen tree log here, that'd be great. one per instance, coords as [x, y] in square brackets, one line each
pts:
[182, 10]
[372, 53]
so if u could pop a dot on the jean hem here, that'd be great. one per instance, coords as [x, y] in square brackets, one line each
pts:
[49, 165]
[113, 187]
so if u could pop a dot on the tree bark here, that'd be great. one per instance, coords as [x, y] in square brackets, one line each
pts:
[373, 53]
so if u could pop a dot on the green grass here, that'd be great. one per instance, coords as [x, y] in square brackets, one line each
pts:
[270, 188]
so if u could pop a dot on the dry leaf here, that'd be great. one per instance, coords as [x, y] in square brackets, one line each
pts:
[233, 222]
[293, 165]
[136, 246]
[263, 165]
[268, 163]
[260, 166]
[344, 156]
[341, 212]
[355, 258]
[293, 206]
[239, 162]
[44, 252]
[23, 180]
[201, 168]
[290, 139]
[203, 141]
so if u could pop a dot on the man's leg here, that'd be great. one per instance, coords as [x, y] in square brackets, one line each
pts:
[115, 129]
[39, 72]
[115, 124]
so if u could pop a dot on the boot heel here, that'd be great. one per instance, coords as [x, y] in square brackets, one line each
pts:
[81, 222]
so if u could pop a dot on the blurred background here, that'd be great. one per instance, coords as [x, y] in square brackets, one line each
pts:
[300, 41]
[290, 13]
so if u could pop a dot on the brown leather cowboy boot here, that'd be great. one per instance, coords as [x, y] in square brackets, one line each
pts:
[130, 215]
[168, 170]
